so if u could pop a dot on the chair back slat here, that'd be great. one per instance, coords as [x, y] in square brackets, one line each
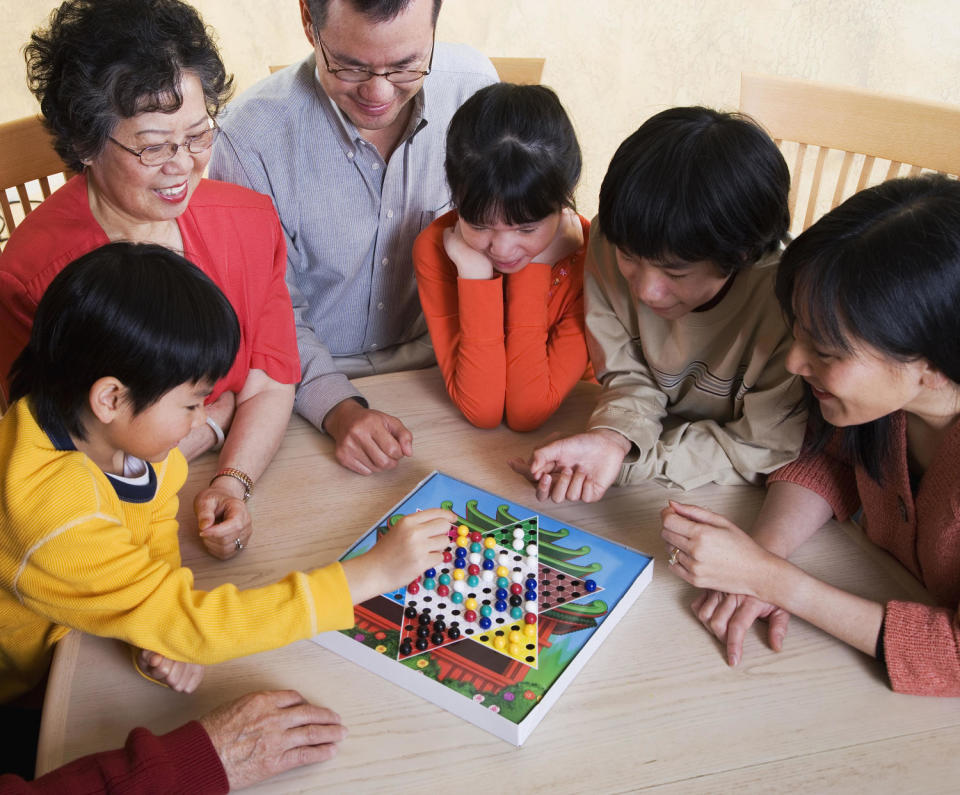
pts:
[853, 131]
[525, 71]
[27, 160]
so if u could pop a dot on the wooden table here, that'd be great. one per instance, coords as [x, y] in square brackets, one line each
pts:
[656, 705]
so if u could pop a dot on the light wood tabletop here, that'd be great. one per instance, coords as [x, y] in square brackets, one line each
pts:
[656, 706]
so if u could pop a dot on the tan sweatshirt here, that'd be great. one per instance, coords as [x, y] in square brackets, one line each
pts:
[705, 398]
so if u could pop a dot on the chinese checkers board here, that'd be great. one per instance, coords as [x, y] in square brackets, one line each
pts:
[500, 627]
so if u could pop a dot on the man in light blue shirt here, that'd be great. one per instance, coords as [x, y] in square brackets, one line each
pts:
[349, 143]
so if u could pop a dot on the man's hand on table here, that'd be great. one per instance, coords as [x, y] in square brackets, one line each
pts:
[262, 734]
[367, 440]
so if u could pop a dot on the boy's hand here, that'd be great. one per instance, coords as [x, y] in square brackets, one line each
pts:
[367, 440]
[580, 467]
[222, 519]
[567, 240]
[179, 676]
[412, 545]
[471, 264]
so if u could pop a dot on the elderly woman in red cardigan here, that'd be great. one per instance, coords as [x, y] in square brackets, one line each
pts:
[873, 291]
[130, 90]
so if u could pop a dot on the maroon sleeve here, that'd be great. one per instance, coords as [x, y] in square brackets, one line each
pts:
[179, 762]
[921, 647]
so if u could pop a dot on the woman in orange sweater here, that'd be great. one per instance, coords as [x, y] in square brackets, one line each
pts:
[872, 291]
[501, 277]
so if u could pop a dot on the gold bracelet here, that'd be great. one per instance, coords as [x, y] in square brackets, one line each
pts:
[243, 477]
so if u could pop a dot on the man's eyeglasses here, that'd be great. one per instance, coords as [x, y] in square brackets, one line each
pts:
[158, 154]
[357, 75]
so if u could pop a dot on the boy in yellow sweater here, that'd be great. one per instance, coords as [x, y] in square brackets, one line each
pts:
[126, 343]
[683, 328]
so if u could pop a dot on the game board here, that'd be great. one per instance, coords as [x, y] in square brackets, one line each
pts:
[497, 631]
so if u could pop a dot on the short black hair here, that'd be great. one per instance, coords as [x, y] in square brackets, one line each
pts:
[882, 268]
[512, 155]
[376, 11]
[100, 61]
[697, 184]
[138, 312]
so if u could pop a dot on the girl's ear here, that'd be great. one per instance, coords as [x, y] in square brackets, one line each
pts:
[931, 377]
[107, 398]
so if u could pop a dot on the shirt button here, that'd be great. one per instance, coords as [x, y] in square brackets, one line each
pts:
[350, 155]
[380, 305]
[373, 347]
[385, 261]
[375, 166]
[389, 213]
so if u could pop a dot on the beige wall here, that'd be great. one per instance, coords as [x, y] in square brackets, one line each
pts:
[615, 62]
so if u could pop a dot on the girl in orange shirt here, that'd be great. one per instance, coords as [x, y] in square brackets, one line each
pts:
[501, 277]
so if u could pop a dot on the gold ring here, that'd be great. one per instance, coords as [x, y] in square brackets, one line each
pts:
[673, 556]
[239, 544]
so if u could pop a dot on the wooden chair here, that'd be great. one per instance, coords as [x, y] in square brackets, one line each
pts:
[27, 160]
[27, 156]
[527, 71]
[841, 140]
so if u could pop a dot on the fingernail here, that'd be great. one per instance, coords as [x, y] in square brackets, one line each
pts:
[734, 660]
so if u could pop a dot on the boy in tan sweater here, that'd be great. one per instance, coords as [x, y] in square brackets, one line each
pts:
[683, 327]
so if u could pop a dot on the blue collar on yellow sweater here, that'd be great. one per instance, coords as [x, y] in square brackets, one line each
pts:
[126, 491]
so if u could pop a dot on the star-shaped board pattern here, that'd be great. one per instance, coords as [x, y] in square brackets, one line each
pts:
[490, 589]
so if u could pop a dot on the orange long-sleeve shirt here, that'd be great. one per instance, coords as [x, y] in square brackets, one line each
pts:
[512, 347]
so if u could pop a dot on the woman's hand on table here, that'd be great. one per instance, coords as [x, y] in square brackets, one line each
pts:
[179, 676]
[728, 616]
[263, 410]
[262, 734]
[223, 517]
[710, 551]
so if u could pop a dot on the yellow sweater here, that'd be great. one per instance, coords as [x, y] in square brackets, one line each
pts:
[74, 555]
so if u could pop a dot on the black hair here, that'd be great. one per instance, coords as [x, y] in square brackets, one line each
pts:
[137, 312]
[512, 155]
[697, 184]
[376, 11]
[100, 61]
[883, 268]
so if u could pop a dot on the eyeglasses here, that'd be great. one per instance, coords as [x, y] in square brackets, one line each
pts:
[356, 75]
[158, 154]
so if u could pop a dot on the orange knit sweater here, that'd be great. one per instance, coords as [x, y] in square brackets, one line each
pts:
[510, 348]
[922, 531]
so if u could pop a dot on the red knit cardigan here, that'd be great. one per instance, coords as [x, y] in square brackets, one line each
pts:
[921, 530]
